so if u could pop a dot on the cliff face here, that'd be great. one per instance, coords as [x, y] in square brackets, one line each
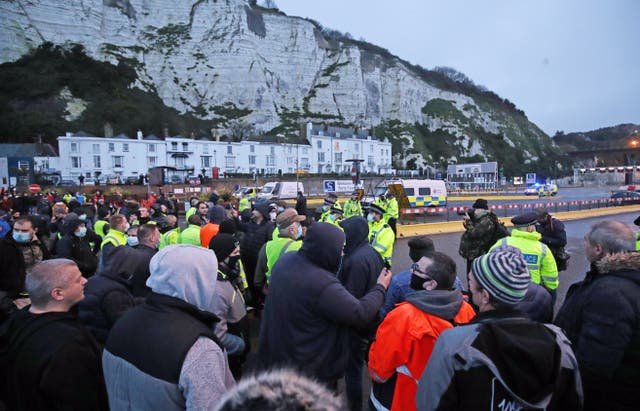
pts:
[207, 57]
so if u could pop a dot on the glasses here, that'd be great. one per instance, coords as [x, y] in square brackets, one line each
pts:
[415, 269]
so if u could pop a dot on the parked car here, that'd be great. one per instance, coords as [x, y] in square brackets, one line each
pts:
[89, 182]
[192, 180]
[626, 195]
[250, 192]
[67, 183]
[176, 179]
[131, 180]
[113, 179]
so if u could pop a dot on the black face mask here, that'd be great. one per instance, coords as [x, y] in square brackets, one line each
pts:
[230, 267]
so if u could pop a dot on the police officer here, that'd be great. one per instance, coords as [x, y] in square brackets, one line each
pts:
[101, 227]
[330, 200]
[381, 236]
[540, 261]
[244, 203]
[335, 216]
[352, 207]
[289, 227]
[391, 211]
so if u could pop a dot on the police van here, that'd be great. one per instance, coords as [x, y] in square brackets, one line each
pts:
[420, 193]
[280, 190]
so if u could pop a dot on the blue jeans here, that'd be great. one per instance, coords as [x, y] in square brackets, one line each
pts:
[232, 344]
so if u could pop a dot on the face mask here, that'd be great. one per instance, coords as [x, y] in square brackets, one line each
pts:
[82, 217]
[370, 218]
[132, 241]
[280, 209]
[325, 208]
[21, 237]
[82, 232]
[299, 232]
[332, 217]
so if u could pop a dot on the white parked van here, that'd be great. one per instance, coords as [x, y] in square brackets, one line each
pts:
[280, 190]
[421, 193]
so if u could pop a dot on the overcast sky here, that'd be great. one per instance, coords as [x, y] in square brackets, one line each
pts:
[571, 65]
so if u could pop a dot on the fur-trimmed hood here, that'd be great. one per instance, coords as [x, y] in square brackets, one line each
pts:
[629, 261]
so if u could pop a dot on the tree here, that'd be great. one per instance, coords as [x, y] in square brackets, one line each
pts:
[269, 4]
[240, 129]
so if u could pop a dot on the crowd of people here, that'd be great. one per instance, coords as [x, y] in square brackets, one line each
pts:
[121, 304]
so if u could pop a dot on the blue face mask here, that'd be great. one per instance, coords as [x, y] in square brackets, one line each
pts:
[82, 217]
[370, 218]
[299, 232]
[132, 241]
[325, 208]
[82, 232]
[280, 209]
[21, 237]
[332, 217]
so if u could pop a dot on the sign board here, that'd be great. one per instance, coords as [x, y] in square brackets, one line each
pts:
[338, 186]
[531, 178]
[517, 181]
[34, 188]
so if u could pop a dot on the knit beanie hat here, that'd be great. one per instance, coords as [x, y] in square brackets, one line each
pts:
[223, 245]
[503, 273]
[70, 223]
[481, 203]
[420, 247]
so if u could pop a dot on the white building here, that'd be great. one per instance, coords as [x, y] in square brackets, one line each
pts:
[327, 151]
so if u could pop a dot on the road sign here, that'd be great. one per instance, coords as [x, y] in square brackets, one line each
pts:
[531, 178]
[34, 188]
[329, 186]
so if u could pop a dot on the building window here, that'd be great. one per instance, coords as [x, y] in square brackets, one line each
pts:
[370, 162]
[319, 144]
[151, 148]
[205, 149]
[229, 149]
[290, 149]
[304, 163]
[337, 157]
[381, 152]
[76, 162]
[371, 148]
[252, 159]
[23, 165]
[271, 161]
[96, 162]
[125, 147]
[96, 148]
[118, 161]
[74, 147]
[229, 162]
[252, 149]
[152, 162]
[205, 161]
[289, 160]
[185, 146]
[305, 150]
[357, 147]
[272, 151]
[320, 157]
[174, 146]
[112, 147]
[179, 162]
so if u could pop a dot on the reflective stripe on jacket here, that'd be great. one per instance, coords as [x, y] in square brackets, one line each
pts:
[381, 238]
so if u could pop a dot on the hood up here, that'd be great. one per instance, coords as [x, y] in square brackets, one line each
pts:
[187, 272]
[322, 245]
[356, 231]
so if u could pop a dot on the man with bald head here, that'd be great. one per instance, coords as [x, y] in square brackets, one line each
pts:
[48, 360]
[601, 317]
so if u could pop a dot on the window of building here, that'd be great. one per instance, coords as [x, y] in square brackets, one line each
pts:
[112, 147]
[289, 160]
[179, 162]
[74, 147]
[252, 159]
[320, 157]
[273, 151]
[185, 146]
[76, 162]
[174, 146]
[23, 165]
[371, 148]
[205, 149]
[304, 163]
[96, 162]
[229, 162]
[229, 149]
[152, 161]
[96, 148]
[381, 152]
[271, 161]
[305, 150]
[125, 147]
[370, 162]
[357, 147]
[205, 161]
[337, 157]
[118, 161]
[319, 144]
[290, 149]
[151, 148]
[252, 149]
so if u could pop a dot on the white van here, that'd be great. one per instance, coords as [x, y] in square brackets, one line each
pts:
[421, 193]
[281, 190]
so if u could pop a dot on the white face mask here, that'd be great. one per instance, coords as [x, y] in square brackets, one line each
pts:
[81, 232]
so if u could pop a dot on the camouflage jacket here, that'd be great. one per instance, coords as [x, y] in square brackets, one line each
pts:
[477, 238]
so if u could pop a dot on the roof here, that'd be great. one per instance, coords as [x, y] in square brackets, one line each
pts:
[152, 137]
[123, 136]
[27, 150]
[344, 132]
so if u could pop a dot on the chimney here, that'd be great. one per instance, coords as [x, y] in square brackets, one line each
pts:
[166, 132]
[139, 134]
[108, 130]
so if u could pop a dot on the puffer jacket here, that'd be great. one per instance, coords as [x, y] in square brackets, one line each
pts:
[601, 317]
[478, 234]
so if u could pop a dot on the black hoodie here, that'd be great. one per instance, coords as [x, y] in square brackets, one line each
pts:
[361, 264]
[307, 314]
[49, 362]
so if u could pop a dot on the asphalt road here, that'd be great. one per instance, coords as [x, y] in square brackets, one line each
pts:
[578, 265]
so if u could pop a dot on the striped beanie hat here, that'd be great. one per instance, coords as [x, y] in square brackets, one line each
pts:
[503, 273]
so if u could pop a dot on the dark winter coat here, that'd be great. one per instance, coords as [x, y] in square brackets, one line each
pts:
[139, 269]
[501, 361]
[478, 235]
[12, 266]
[107, 296]
[601, 317]
[50, 362]
[79, 250]
[537, 304]
[553, 233]
[301, 205]
[306, 320]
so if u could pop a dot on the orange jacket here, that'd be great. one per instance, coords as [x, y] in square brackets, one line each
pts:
[207, 232]
[404, 343]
